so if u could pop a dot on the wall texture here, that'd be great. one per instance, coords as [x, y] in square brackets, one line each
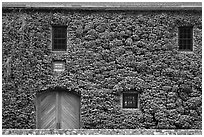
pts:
[108, 52]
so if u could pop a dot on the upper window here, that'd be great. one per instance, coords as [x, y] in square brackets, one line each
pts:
[59, 38]
[186, 38]
[130, 100]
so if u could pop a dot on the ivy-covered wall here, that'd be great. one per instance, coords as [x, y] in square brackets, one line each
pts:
[108, 52]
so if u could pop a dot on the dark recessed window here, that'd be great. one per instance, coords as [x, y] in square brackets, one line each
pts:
[130, 100]
[59, 38]
[186, 38]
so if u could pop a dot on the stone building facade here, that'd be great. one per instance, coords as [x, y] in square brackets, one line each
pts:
[123, 67]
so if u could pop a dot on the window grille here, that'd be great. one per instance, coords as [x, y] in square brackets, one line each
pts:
[130, 100]
[186, 38]
[59, 38]
[58, 65]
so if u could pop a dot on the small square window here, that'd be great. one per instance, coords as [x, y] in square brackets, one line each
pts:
[130, 100]
[185, 40]
[59, 38]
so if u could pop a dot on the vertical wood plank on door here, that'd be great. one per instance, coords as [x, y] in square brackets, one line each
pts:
[38, 121]
[58, 110]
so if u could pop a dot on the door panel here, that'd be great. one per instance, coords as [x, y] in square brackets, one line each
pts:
[70, 108]
[58, 109]
[46, 111]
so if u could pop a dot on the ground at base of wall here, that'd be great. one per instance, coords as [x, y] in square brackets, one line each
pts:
[100, 132]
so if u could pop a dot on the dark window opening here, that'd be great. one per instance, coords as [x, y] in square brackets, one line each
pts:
[130, 100]
[186, 38]
[59, 38]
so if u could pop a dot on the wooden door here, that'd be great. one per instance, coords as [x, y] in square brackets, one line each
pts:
[58, 110]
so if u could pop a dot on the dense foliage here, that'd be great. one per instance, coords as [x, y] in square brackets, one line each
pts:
[108, 52]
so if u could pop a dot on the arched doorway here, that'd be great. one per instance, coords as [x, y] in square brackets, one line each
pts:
[58, 109]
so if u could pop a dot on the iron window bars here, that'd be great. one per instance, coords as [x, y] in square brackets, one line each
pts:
[186, 38]
[59, 38]
[130, 100]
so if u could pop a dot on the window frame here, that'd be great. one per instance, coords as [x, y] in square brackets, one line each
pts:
[136, 94]
[180, 47]
[53, 38]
